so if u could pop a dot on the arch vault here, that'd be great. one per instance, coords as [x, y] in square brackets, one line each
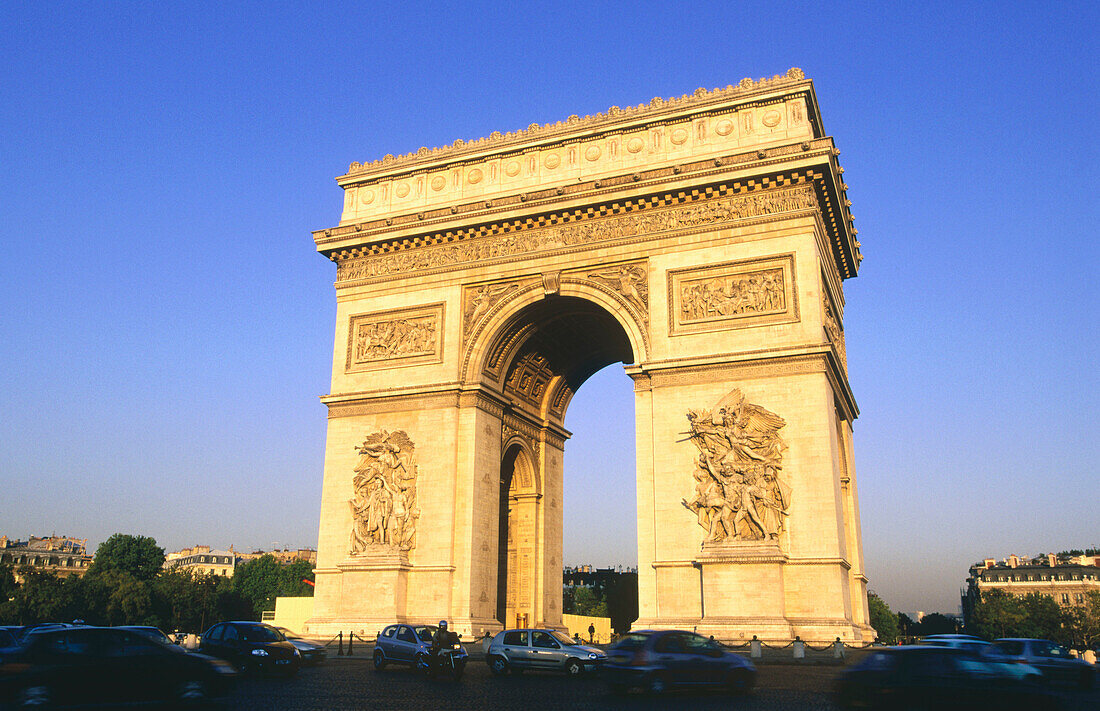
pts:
[700, 241]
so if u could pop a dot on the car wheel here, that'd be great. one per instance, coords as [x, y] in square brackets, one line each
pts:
[498, 665]
[657, 685]
[741, 681]
[379, 660]
[34, 697]
[192, 691]
[572, 667]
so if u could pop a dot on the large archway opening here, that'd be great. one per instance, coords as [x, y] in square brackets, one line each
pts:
[539, 359]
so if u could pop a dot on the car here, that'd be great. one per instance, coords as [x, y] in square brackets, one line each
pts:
[990, 661]
[311, 652]
[518, 650]
[659, 660]
[402, 644]
[930, 676]
[9, 641]
[153, 633]
[109, 667]
[251, 647]
[1052, 659]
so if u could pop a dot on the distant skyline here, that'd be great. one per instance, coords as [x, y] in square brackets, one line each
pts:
[168, 325]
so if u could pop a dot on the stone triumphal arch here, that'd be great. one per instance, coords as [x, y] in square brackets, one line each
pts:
[702, 242]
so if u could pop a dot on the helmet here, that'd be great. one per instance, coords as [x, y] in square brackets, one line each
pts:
[443, 624]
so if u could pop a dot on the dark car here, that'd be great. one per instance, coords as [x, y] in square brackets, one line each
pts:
[9, 641]
[251, 647]
[107, 666]
[312, 653]
[1052, 659]
[153, 633]
[667, 659]
[936, 678]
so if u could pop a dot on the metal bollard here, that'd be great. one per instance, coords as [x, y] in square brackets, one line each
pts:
[351, 636]
[799, 648]
[340, 644]
[755, 650]
[838, 649]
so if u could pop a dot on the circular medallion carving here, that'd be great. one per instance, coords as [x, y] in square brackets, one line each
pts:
[592, 153]
[635, 144]
[401, 190]
[438, 182]
[474, 176]
[771, 119]
[724, 127]
[512, 169]
[366, 196]
[552, 161]
[679, 136]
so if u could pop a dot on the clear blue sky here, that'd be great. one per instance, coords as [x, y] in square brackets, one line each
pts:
[167, 326]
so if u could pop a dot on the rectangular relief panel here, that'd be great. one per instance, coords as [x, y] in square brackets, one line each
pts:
[750, 292]
[395, 338]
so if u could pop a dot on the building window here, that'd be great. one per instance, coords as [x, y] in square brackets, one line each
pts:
[1078, 598]
[1065, 598]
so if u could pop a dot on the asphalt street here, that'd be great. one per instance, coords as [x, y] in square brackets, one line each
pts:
[353, 684]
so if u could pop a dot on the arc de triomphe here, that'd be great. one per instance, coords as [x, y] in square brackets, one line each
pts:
[703, 242]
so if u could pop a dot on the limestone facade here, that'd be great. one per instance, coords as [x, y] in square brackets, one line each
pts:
[700, 241]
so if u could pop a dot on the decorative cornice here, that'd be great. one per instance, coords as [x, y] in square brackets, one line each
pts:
[614, 115]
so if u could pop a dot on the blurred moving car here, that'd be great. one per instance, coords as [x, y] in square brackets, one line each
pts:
[1052, 659]
[992, 662]
[107, 666]
[9, 641]
[660, 660]
[251, 647]
[517, 650]
[153, 633]
[402, 644]
[928, 676]
[311, 652]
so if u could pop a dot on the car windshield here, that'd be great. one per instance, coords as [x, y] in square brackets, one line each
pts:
[426, 632]
[563, 639]
[260, 633]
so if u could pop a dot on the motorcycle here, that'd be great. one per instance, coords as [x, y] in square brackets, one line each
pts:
[449, 661]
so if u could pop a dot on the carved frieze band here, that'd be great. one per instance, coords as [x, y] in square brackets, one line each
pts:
[462, 249]
[737, 294]
[387, 339]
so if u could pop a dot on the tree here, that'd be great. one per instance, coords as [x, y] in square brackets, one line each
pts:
[884, 621]
[587, 601]
[997, 614]
[140, 556]
[259, 581]
[936, 623]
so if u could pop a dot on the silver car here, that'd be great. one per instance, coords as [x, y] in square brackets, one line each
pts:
[402, 644]
[517, 650]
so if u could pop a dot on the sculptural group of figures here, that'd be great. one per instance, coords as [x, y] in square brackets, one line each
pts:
[738, 491]
[738, 294]
[393, 339]
[384, 510]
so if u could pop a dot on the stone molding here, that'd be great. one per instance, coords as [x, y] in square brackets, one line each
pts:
[689, 286]
[614, 115]
[638, 220]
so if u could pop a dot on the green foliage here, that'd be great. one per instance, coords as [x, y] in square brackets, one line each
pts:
[126, 586]
[884, 621]
[583, 600]
[140, 556]
[936, 623]
[261, 580]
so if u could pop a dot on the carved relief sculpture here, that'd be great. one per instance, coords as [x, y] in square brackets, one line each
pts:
[410, 336]
[480, 300]
[834, 331]
[384, 508]
[630, 280]
[753, 293]
[739, 495]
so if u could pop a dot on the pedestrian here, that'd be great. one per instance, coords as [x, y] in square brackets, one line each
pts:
[591, 632]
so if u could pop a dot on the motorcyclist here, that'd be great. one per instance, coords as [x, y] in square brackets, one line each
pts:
[443, 639]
